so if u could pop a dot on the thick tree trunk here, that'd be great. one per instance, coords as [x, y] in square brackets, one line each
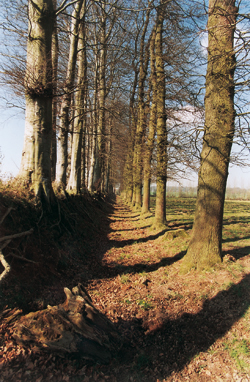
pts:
[62, 157]
[160, 208]
[152, 128]
[204, 249]
[36, 160]
[74, 183]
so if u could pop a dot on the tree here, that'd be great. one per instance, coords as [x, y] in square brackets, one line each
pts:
[36, 159]
[161, 176]
[205, 246]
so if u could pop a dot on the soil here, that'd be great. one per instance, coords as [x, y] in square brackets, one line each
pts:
[192, 327]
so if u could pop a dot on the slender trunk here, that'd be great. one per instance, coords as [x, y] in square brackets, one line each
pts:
[36, 163]
[152, 128]
[54, 105]
[161, 177]
[140, 129]
[100, 147]
[204, 249]
[62, 159]
[74, 183]
[128, 173]
[109, 154]
[94, 115]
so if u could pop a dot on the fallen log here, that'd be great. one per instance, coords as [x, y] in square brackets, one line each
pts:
[75, 326]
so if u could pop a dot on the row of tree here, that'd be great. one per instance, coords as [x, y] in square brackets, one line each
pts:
[114, 95]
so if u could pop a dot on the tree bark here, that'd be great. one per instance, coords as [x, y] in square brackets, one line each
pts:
[62, 157]
[160, 208]
[204, 250]
[152, 128]
[36, 159]
[140, 129]
[74, 183]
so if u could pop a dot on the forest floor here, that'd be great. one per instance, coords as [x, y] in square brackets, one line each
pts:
[175, 327]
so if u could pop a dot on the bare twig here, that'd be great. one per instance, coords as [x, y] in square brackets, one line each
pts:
[16, 235]
[6, 214]
[5, 265]
[21, 258]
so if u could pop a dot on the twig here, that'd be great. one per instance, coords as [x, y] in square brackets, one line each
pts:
[16, 235]
[21, 258]
[6, 214]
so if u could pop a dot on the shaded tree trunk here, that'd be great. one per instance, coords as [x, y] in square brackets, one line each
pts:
[204, 249]
[54, 105]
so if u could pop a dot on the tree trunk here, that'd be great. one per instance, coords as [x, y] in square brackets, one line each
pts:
[74, 183]
[152, 127]
[98, 177]
[160, 208]
[140, 129]
[204, 249]
[54, 105]
[36, 160]
[62, 158]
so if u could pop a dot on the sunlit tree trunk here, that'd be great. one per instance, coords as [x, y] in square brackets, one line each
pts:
[62, 156]
[204, 249]
[161, 169]
[140, 129]
[152, 127]
[36, 160]
[100, 143]
[128, 173]
[74, 183]
[93, 137]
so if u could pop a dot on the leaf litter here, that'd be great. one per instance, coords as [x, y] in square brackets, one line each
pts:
[192, 327]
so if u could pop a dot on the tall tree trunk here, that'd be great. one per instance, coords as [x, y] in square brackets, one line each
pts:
[36, 161]
[100, 147]
[204, 249]
[140, 129]
[128, 173]
[54, 105]
[152, 128]
[161, 177]
[94, 121]
[62, 157]
[74, 183]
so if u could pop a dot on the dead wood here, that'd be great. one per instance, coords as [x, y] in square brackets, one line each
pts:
[75, 326]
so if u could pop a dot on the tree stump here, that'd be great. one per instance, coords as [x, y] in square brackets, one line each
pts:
[75, 326]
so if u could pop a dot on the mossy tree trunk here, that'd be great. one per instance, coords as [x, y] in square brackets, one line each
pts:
[204, 249]
[36, 160]
[161, 176]
[152, 128]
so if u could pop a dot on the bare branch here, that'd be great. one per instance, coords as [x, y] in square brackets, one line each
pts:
[16, 235]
